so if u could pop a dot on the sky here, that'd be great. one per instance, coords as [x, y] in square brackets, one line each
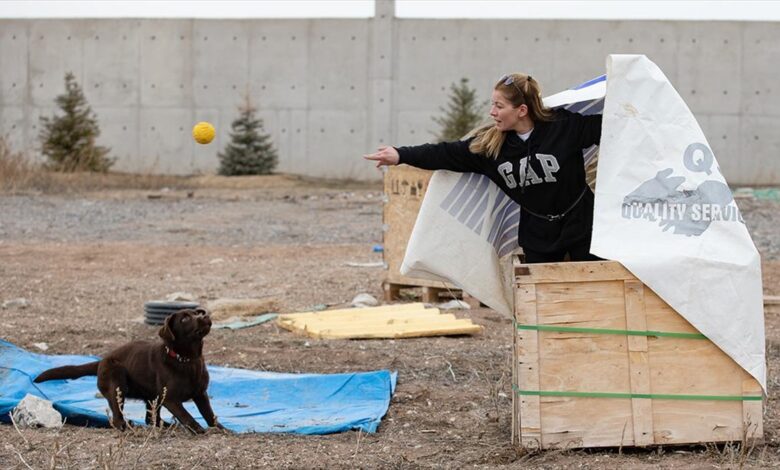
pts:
[523, 9]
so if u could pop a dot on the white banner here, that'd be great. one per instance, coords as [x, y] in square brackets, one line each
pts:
[664, 211]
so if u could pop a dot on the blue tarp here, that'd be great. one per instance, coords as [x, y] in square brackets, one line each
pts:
[243, 400]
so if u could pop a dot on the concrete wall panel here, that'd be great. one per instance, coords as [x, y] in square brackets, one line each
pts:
[111, 62]
[723, 135]
[582, 47]
[416, 127]
[220, 62]
[54, 48]
[13, 122]
[380, 105]
[165, 63]
[119, 131]
[288, 130]
[338, 65]
[34, 128]
[760, 146]
[13, 63]
[166, 145]
[710, 66]
[335, 146]
[278, 69]
[760, 69]
[331, 89]
[518, 46]
[428, 54]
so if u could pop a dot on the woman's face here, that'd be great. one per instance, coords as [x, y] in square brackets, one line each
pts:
[506, 116]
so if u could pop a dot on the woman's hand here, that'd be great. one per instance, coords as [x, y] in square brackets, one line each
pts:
[384, 156]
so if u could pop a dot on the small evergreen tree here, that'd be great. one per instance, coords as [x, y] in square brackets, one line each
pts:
[250, 151]
[462, 114]
[68, 141]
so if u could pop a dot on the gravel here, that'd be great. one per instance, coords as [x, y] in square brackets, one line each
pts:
[248, 219]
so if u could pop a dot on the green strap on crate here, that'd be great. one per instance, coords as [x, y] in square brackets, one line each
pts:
[656, 396]
[606, 331]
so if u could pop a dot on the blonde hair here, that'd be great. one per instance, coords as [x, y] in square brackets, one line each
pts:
[518, 89]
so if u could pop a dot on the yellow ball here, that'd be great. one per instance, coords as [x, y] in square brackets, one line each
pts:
[203, 132]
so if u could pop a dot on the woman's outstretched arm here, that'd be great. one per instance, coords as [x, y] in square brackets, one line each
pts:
[453, 156]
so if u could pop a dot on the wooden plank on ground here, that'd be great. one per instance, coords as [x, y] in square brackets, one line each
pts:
[392, 321]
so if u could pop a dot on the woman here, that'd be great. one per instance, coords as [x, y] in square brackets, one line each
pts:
[532, 153]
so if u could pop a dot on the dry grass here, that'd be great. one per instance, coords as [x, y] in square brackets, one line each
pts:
[18, 173]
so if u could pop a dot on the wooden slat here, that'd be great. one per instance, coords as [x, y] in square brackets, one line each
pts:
[585, 422]
[515, 398]
[570, 272]
[355, 312]
[752, 411]
[591, 305]
[386, 322]
[772, 300]
[641, 408]
[373, 318]
[458, 327]
[683, 421]
[661, 317]
[530, 425]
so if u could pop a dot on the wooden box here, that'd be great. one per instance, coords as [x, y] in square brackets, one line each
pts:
[404, 187]
[601, 361]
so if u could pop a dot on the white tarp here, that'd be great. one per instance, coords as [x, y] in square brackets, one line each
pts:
[664, 211]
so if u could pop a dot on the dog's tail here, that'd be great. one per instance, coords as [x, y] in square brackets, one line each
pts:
[68, 372]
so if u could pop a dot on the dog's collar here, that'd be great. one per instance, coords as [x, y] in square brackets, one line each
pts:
[171, 353]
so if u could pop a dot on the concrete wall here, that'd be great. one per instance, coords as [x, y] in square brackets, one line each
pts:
[330, 90]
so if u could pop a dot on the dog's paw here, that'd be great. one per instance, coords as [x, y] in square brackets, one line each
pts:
[221, 429]
[195, 429]
[118, 424]
[218, 429]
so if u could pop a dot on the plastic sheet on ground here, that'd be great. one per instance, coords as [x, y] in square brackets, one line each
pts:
[244, 400]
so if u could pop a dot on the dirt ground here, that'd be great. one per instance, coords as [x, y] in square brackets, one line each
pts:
[88, 260]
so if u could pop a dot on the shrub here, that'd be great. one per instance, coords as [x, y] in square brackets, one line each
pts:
[249, 151]
[68, 141]
[462, 114]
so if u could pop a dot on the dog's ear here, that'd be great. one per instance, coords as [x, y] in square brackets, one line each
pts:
[201, 311]
[166, 332]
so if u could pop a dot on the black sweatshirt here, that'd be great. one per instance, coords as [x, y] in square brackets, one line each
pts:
[554, 180]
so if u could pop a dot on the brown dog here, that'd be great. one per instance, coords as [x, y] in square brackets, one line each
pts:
[167, 373]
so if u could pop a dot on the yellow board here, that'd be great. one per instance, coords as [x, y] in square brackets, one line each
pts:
[389, 321]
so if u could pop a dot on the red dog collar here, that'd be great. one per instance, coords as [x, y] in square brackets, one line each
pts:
[175, 355]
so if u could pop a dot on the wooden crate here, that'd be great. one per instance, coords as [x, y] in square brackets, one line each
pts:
[405, 187]
[601, 361]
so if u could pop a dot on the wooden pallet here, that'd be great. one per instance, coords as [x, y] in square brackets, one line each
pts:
[430, 294]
